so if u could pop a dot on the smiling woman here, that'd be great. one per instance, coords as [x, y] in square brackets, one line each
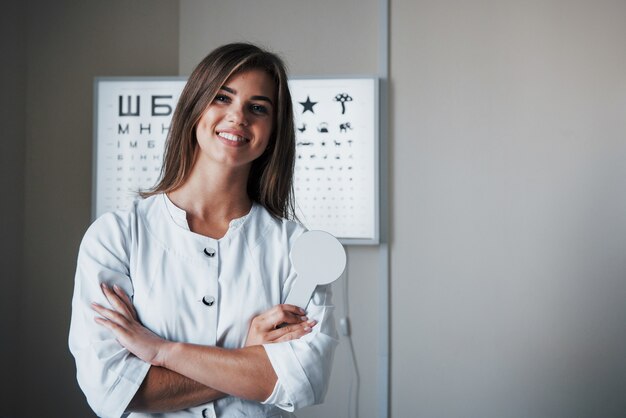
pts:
[187, 289]
[235, 129]
[270, 179]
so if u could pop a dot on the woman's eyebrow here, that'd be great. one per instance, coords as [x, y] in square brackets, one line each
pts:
[263, 98]
[228, 89]
[233, 91]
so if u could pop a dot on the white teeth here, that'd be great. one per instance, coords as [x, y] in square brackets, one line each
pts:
[232, 137]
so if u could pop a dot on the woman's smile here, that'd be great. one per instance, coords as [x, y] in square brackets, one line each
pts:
[233, 138]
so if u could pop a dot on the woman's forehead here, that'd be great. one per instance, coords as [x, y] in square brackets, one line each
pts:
[251, 82]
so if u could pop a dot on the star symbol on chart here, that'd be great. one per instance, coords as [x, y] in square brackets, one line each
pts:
[308, 105]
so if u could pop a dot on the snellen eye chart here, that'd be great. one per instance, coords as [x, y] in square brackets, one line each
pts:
[336, 170]
[132, 121]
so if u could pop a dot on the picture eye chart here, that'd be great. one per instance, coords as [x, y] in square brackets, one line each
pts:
[336, 169]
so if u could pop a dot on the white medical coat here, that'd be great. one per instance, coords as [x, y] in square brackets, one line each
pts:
[190, 288]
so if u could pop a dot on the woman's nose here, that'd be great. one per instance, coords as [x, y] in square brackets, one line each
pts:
[237, 116]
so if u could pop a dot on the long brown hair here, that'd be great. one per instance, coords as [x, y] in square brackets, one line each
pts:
[270, 182]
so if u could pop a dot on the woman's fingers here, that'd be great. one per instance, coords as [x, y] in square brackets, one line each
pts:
[110, 314]
[126, 300]
[112, 326]
[282, 314]
[115, 301]
[280, 321]
[290, 311]
[119, 300]
[290, 308]
[131, 334]
[292, 332]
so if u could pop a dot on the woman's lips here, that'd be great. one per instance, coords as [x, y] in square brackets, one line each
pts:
[233, 137]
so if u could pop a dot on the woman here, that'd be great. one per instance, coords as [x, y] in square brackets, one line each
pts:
[188, 284]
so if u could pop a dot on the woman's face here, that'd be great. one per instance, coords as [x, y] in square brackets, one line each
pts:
[235, 129]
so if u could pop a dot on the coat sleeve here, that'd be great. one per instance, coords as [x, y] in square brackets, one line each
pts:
[303, 366]
[107, 373]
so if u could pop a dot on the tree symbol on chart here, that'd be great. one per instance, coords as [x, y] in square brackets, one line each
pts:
[343, 98]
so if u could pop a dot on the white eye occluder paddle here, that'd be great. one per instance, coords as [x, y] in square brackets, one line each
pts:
[318, 258]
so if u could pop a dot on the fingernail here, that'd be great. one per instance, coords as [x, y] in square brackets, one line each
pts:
[303, 318]
[312, 322]
[307, 329]
[116, 287]
[301, 310]
[103, 285]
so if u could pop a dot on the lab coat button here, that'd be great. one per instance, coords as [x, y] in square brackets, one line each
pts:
[209, 252]
[208, 300]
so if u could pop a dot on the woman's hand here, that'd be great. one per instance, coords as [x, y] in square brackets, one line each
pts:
[278, 324]
[123, 322]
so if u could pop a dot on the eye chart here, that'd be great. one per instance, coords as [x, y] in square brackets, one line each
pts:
[132, 121]
[336, 171]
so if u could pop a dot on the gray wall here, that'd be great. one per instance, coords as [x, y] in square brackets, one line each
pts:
[508, 142]
[68, 44]
[12, 123]
[509, 208]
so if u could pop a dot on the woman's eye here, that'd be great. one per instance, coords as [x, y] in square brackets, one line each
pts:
[260, 109]
[221, 98]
